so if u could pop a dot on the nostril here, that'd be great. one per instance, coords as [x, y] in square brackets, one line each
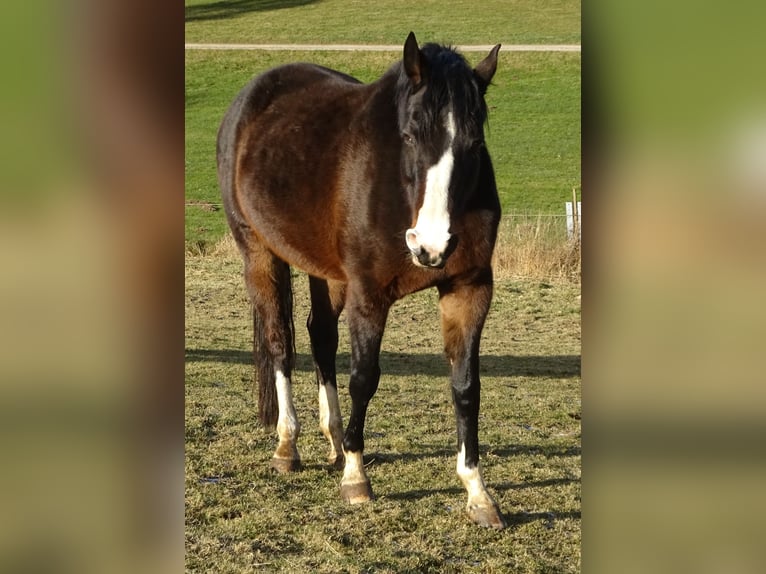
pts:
[412, 240]
[437, 262]
[426, 259]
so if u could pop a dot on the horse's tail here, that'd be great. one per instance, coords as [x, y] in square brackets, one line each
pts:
[265, 367]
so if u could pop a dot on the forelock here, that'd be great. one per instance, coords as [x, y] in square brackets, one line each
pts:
[451, 82]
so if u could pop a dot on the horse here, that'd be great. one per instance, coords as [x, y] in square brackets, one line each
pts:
[376, 191]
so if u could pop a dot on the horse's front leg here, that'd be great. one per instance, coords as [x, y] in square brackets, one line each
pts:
[463, 310]
[366, 319]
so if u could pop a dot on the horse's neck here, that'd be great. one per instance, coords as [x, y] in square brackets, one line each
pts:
[383, 95]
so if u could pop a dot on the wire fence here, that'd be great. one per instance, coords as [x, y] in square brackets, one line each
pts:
[557, 226]
[566, 224]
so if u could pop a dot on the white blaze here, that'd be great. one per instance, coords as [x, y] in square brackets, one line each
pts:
[431, 231]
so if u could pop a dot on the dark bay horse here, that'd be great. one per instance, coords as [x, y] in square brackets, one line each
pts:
[376, 191]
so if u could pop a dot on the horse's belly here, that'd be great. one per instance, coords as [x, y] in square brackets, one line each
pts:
[301, 239]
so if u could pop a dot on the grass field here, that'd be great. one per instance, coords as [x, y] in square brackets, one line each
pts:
[242, 518]
[383, 21]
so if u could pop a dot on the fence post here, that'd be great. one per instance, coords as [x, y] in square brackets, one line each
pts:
[574, 214]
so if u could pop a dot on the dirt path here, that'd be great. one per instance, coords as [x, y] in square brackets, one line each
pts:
[380, 47]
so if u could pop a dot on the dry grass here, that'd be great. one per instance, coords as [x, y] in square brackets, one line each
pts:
[534, 248]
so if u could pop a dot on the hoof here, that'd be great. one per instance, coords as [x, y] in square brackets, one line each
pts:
[356, 493]
[487, 516]
[283, 465]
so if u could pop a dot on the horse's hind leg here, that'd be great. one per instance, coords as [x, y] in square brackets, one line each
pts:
[327, 299]
[463, 310]
[270, 288]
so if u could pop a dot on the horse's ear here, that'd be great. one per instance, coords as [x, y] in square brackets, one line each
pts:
[414, 65]
[485, 70]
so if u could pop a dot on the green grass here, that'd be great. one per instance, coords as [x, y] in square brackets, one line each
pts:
[533, 134]
[383, 21]
[242, 518]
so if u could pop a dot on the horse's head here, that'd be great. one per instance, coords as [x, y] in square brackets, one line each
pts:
[441, 123]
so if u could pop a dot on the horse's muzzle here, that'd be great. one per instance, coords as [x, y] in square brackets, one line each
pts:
[423, 257]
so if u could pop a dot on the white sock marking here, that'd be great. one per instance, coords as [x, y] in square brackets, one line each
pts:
[353, 472]
[288, 426]
[473, 482]
[324, 409]
[329, 417]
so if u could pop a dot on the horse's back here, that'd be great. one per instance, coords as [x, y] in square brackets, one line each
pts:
[299, 80]
[300, 84]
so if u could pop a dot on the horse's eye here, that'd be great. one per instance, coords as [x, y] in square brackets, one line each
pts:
[408, 139]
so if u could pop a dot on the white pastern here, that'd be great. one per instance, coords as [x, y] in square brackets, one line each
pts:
[329, 417]
[473, 482]
[288, 426]
[353, 472]
[431, 231]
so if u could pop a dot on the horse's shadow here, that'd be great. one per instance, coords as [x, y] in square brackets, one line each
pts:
[526, 517]
[512, 519]
[429, 364]
[417, 494]
[377, 458]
